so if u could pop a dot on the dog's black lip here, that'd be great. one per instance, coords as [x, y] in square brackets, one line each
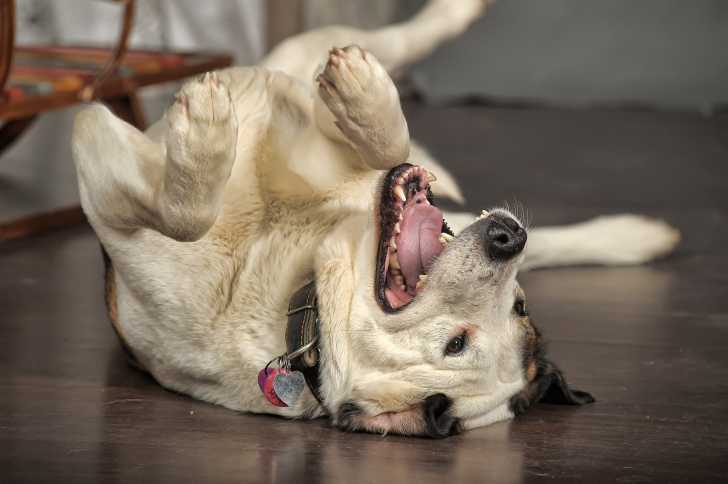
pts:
[435, 411]
[439, 423]
[386, 201]
[344, 416]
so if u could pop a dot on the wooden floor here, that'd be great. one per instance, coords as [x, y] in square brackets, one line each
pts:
[651, 343]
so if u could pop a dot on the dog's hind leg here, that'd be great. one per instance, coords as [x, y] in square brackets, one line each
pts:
[611, 240]
[396, 46]
[399, 45]
[175, 186]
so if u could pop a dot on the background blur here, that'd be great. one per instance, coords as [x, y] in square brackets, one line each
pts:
[657, 54]
[661, 53]
[665, 53]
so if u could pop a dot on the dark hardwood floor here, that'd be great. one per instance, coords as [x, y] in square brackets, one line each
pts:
[651, 343]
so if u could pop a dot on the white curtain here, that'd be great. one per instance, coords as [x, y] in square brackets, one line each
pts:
[236, 26]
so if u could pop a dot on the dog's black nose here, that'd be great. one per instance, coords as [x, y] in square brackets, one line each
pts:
[503, 237]
[438, 421]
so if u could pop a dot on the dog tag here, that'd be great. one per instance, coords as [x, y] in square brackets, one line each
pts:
[288, 386]
[281, 387]
[266, 377]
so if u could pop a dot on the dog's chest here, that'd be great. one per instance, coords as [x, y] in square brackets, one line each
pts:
[260, 272]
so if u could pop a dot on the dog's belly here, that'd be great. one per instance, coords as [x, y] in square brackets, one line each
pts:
[198, 315]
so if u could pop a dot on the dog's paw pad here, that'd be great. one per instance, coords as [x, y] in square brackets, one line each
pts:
[353, 76]
[205, 99]
[202, 121]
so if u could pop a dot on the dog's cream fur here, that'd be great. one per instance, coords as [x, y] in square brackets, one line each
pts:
[254, 180]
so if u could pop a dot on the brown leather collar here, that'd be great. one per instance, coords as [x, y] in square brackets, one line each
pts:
[302, 337]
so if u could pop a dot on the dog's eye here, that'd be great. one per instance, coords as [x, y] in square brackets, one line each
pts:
[520, 308]
[455, 346]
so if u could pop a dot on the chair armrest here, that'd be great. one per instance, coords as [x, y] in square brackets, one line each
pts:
[122, 44]
[7, 39]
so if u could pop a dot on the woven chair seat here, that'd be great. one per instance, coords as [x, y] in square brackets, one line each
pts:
[50, 77]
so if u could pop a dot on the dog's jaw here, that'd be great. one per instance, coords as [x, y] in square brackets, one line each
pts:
[412, 233]
[431, 418]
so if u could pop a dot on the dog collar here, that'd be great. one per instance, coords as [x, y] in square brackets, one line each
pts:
[302, 337]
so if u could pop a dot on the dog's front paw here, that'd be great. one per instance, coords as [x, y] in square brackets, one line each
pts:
[363, 99]
[355, 86]
[202, 122]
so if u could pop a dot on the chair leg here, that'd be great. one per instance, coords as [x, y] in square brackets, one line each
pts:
[37, 223]
[11, 131]
[129, 108]
[41, 222]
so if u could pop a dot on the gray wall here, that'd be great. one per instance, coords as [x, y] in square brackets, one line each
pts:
[365, 14]
[669, 53]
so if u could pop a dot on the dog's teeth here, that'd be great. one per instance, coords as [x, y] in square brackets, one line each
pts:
[400, 180]
[394, 261]
[399, 193]
[393, 244]
[445, 238]
[397, 228]
[401, 216]
[399, 280]
[431, 178]
[483, 214]
[421, 281]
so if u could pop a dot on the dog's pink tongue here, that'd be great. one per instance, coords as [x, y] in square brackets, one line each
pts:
[419, 240]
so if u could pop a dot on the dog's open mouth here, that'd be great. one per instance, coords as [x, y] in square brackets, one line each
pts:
[412, 235]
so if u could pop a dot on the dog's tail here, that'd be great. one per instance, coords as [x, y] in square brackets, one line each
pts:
[607, 240]
[610, 240]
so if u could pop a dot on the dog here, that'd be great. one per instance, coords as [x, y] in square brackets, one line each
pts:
[273, 245]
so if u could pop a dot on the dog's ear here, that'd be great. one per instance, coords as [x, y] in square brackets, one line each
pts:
[545, 382]
[553, 388]
[548, 385]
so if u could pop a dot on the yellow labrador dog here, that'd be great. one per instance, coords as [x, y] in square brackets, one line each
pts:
[272, 245]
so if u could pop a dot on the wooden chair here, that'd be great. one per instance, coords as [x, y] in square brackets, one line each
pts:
[37, 79]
